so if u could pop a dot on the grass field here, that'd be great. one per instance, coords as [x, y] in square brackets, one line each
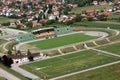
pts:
[80, 9]
[68, 63]
[4, 19]
[1, 78]
[114, 48]
[106, 73]
[97, 25]
[114, 16]
[61, 41]
[2, 41]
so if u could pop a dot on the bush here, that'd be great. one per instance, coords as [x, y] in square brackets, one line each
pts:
[6, 24]
[102, 17]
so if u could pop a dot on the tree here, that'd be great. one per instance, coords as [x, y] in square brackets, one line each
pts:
[0, 32]
[1, 3]
[66, 10]
[6, 24]
[30, 58]
[119, 19]
[102, 17]
[18, 52]
[9, 52]
[29, 24]
[18, 26]
[0, 59]
[69, 22]
[28, 52]
[78, 18]
[50, 22]
[90, 19]
[7, 61]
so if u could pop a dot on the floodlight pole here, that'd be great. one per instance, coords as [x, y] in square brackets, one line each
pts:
[45, 78]
[15, 49]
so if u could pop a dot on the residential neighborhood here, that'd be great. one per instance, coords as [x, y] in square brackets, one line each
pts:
[39, 13]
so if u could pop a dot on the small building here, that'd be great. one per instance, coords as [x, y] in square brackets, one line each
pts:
[21, 58]
[12, 23]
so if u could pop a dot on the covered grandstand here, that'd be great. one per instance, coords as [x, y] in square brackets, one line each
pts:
[52, 31]
[44, 32]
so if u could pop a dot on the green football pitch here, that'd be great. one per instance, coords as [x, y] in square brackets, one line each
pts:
[61, 41]
[68, 63]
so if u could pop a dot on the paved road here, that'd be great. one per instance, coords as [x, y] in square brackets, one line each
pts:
[7, 75]
[10, 33]
[23, 72]
[70, 74]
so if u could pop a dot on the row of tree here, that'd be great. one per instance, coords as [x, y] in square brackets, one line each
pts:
[84, 2]
[6, 61]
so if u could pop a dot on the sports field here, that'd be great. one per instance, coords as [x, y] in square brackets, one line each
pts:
[68, 63]
[113, 48]
[61, 41]
[107, 73]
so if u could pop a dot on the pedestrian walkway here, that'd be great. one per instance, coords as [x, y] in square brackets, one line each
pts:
[105, 52]
[7, 75]
[23, 72]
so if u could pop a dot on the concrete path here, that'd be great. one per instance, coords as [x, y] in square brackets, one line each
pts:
[105, 52]
[23, 72]
[7, 75]
[5, 44]
[70, 74]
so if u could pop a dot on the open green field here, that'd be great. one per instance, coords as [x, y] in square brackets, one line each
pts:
[2, 41]
[107, 73]
[96, 24]
[68, 63]
[1, 78]
[114, 16]
[61, 41]
[80, 9]
[4, 19]
[113, 48]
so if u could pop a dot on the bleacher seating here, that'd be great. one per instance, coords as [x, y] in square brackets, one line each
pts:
[25, 37]
[63, 30]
